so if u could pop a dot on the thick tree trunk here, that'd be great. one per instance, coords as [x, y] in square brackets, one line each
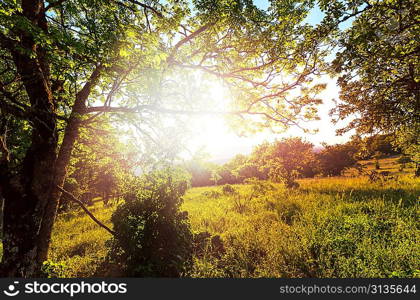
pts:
[31, 205]
[26, 196]
[63, 159]
[60, 170]
[26, 193]
[31, 196]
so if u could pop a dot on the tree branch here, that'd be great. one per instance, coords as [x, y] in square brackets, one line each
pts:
[137, 109]
[74, 199]
[188, 38]
[54, 4]
[145, 6]
[83, 94]
[3, 147]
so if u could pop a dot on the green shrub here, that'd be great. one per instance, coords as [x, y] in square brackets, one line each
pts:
[212, 194]
[288, 211]
[259, 187]
[153, 237]
[228, 189]
[207, 245]
[404, 160]
[52, 269]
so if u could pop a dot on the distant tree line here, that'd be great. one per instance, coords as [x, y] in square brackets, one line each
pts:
[288, 159]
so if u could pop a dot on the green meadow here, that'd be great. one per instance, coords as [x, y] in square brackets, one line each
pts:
[327, 227]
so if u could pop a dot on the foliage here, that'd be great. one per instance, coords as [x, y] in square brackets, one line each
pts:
[286, 160]
[99, 165]
[238, 169]
[404, 160]
[201, 173]
[228, 189]
[377, 64]
[51, 269]
[369, 145]
[153, 237]
[409, 140]
[147, 64]
[382, 143]
[64, 64]
[334, 159]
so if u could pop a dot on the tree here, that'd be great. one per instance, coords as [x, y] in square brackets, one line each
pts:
[64, 63]
[382, 143]
[334, 159]
[378, 67]
[227, 177]
[215, 177]
[409, 141]
[201, 172]
[241, 168]
[288, 159]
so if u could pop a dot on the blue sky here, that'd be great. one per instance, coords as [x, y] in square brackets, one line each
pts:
[313, 18]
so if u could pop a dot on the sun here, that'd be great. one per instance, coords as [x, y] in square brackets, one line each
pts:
[211, 131]
[213, 134]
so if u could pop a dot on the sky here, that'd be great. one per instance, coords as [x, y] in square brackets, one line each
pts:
[220, 143]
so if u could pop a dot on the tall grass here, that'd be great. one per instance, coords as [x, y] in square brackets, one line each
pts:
[333, 227]
[328, 227]
[79, 244]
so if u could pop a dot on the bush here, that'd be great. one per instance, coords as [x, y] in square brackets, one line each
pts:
[206, 244]
[228, 189]
[51, 269]
[404, 160]
[212, 194]
[153, 237]
[260, 187]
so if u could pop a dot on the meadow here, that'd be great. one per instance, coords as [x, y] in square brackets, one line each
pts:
[327, 227]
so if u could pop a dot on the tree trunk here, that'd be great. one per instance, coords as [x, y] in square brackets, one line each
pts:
[26, 195]
[63, 159]
[31, 204]
[30, 195]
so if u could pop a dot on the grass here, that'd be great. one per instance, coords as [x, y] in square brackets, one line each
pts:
[333, 227]
[328, 227]
[79, 243]
[388, 164]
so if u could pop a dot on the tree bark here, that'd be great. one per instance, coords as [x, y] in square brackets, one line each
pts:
[26, 193]
[31, 204]
[30, 195]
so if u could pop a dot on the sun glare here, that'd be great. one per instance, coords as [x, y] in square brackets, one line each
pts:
[214, 136]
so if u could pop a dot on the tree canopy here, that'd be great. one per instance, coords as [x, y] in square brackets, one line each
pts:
[378, 67]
